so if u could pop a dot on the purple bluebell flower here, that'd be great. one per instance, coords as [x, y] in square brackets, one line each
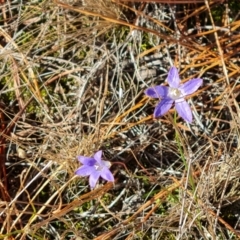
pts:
[175, 93]
[94, 167]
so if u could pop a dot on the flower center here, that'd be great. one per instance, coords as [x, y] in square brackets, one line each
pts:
[98, 167]
[174, 93]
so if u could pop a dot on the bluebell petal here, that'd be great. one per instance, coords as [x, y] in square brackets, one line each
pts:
[89, 161]
[162, 107]
[105, 164]
[157, 92]
[191, 86]
[184, 110]
[107, 175]
[173, 78]
[85, 171]
[98, 156]
[94, 178]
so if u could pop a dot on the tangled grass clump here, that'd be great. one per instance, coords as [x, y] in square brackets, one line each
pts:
[73, 76]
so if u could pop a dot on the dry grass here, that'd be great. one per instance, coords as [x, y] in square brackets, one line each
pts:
[72, 80]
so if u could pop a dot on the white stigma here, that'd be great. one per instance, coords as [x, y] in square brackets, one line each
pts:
[174, 93]
[98, 167]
